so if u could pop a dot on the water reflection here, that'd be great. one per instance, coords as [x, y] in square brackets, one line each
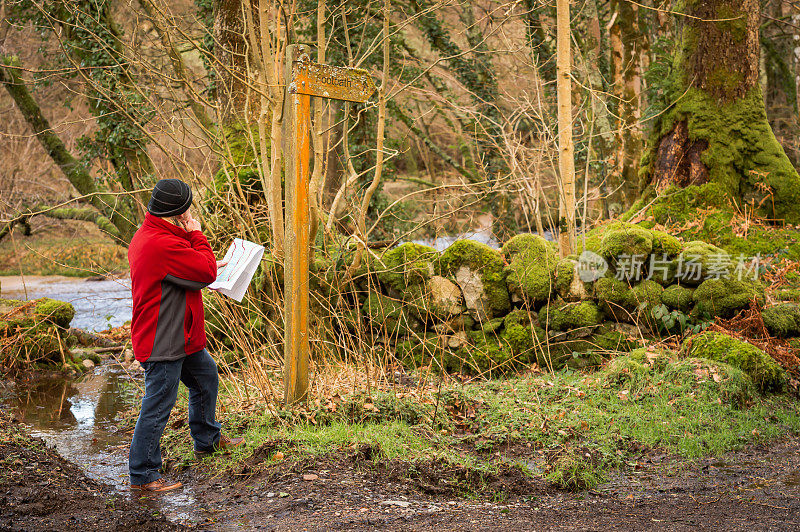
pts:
[45, 403]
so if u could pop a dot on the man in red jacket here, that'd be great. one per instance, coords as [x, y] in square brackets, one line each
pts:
[171, 262]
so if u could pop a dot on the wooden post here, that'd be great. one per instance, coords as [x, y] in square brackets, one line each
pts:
[320, 81]
[297, 155]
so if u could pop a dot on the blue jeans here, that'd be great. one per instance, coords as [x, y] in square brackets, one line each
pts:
[198, 372]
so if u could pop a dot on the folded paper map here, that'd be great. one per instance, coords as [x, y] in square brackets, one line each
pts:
[243, 258]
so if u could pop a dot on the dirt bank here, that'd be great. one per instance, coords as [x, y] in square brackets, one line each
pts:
[39, 490]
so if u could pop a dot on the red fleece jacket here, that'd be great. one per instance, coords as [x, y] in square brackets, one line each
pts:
[169, 267]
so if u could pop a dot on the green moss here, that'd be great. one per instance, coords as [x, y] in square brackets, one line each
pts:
[702, 260]
[612, 295]
[492, 325]
[678, 297]
[665, 244]
[764, 371]
[564, 275]
[487, 354]
[561, 316]
[420, 351]
[704, 213]
[521, 337]
[407, 265]
[487, 262]
[783, 320]
[742, 155]
[787, 294]
[708, 380]
[532, 263]
[385, 313]
[56, 312]
[240, 159]
[626, 239]
[524, 342]
[724, 297]
[421, 300]
[642, 298]
[607, 338]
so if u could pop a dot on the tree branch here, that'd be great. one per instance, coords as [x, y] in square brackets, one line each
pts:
[85, 214]
[398, 112]
[73, 169]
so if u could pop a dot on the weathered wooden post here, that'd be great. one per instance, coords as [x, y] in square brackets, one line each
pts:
[296, 118]
[303, 80]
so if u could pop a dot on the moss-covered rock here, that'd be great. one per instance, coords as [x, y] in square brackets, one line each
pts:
[665, 244]
[690, 379]
[782, 320]
[612, 297]
[608, 339]
[562, 316]
[678, 297]
[568, 282]
[419, 351]
[787, 294]
[479, 272]
[56, 312]
[564, 273]
[724, 297]
[437, 299]
[388, 315]
[532, 263]
[625, 239]
[701, 260]
[488, 355]
[407, 265]
[764, 371]
[642, 298]
[492, 325]
[522, 337]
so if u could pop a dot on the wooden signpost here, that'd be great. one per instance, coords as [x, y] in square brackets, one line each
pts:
[305, 79]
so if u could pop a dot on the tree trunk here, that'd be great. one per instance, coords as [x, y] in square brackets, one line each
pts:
[716, 134]
[566, 161]
[628, 44]
[230, 51]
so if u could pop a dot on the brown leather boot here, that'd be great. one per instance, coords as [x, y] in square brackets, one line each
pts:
[161, 484]
[224, 446]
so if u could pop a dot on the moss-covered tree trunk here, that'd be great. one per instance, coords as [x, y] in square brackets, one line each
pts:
[716, 134]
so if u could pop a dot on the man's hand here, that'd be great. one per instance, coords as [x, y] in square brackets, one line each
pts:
[188, 223]
[221, 264]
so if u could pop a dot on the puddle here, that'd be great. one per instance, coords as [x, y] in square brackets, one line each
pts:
[98, 304]
[79, 418]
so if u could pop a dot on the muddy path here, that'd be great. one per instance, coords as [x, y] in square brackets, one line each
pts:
[754, 489]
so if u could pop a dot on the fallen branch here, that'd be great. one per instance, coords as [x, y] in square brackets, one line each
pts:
[88, 339]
